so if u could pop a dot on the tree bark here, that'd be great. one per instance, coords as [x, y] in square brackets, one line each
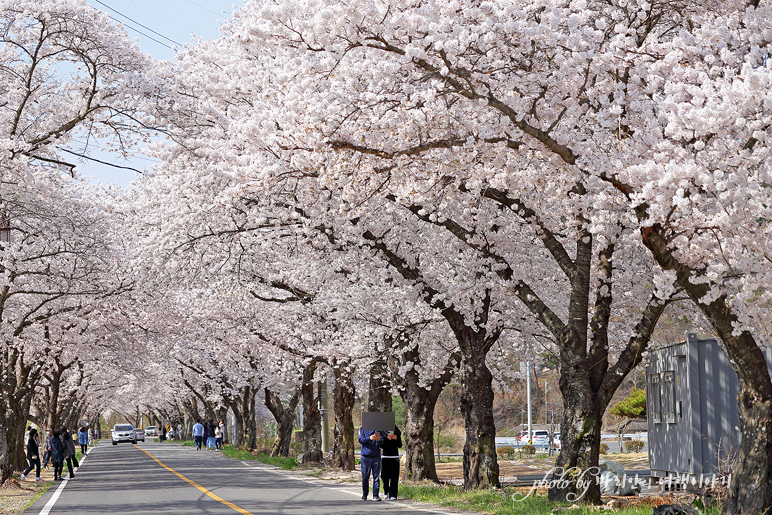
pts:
[481, 467]
[418, 436]
[379, 391]
[580, 438]
[248, 433]
[312, 418]
[12, 427]
[285, 420]
[343, 404]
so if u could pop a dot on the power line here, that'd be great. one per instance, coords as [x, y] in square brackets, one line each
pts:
[205, 8]
[84, 156]
[139, 31]
[138, 23]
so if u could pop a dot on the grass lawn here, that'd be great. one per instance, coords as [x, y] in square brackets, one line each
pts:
[233, 453]
[501, 502]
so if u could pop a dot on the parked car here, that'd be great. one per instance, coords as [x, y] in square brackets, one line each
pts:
[151, 431]
[556, 441]
[540, 438]
[139, 435]
[124, 433]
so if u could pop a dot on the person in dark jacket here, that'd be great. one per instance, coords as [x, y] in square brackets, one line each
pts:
[390, 464]
[211, 441]
[33, 454]
[69, 451]
[370, 458]
[57, 454]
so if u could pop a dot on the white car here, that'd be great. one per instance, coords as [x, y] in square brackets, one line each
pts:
[123, 433]
[540, 438]
[151, 431]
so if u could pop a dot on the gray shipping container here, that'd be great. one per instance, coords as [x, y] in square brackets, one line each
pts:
[691, 406]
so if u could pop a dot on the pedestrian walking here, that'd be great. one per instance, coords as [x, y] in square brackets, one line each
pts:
[57, 454]
[211, 438]
[217, 439]
[69, 452]
[33, 454]
[390, 464]
[83, 440]
[222, 433]
[198, 434]
[171, 432]
[47, 456]
[91, 436]
[370, 458]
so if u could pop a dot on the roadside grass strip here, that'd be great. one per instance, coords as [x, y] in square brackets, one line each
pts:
[50, 504]
[196, 485]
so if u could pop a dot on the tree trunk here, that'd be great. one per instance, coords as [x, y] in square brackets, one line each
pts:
[481, 467]
[248, 433]
[418, 436]
[12, 427]
[312, 418]
[379, 391]
[238, 434]
[580, 439]
[343, 404]
[285, 420]
[54, 381]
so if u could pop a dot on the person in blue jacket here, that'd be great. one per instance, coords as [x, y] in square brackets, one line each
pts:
[83, 440]
[370, 457]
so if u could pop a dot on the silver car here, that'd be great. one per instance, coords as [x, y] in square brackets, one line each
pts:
[123, 433]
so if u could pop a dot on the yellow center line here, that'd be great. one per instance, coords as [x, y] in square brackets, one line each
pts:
[193, 483]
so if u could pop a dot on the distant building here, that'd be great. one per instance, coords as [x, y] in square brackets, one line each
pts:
[691, 406]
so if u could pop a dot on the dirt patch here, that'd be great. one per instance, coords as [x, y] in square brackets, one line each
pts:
[15, 495]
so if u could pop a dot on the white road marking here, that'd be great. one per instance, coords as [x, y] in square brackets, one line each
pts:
[50, 504]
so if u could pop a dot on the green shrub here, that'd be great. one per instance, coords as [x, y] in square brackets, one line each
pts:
[447, 441]
[604, 448]
[634, 446]
[529, 450]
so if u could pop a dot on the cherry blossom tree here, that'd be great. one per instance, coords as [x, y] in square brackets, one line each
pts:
[576, 99]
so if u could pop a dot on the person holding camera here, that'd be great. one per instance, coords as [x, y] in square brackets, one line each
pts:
[370, 458]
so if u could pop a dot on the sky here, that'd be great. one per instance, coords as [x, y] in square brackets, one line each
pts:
[154, 25]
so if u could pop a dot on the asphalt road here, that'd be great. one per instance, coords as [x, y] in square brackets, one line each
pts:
[123, 479]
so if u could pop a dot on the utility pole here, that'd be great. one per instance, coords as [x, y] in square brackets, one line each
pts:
[323, 409]
[528, 387]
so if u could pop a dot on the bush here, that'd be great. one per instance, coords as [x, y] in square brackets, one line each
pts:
[530, 450]
[447, 441]
[604, 448]
[634, 446]
[506, 450]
